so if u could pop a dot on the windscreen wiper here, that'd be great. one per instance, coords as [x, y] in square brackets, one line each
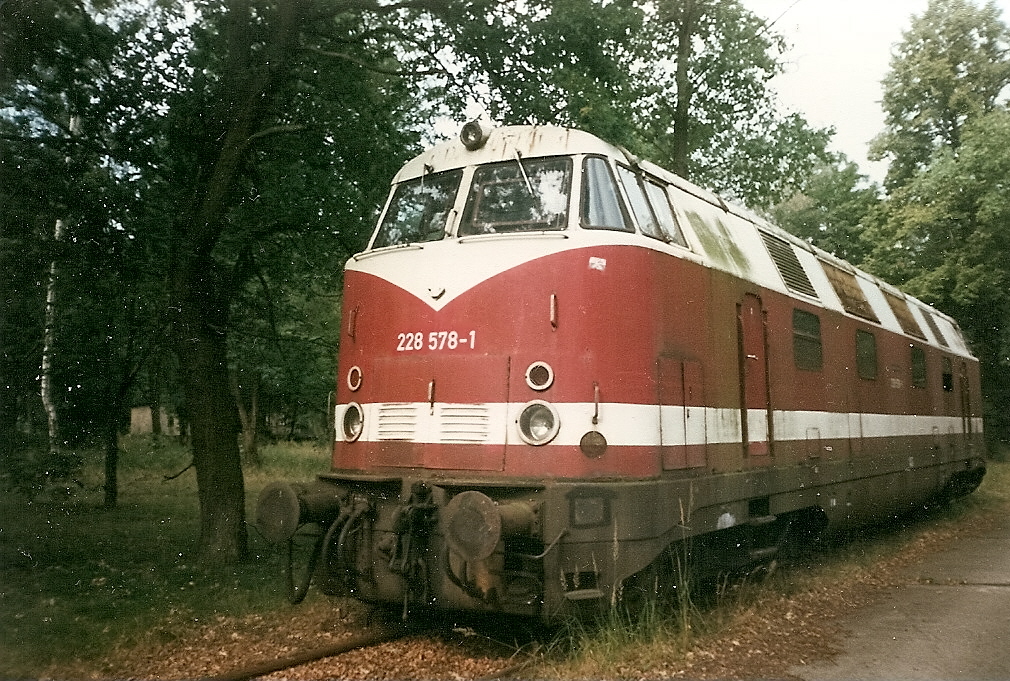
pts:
[526, 178]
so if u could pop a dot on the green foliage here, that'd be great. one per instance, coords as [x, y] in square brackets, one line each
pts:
[563, 63]
[943, 236]
[704, 106]
[831, 210]
[951, 66]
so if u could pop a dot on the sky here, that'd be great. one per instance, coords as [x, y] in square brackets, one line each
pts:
[840, 51]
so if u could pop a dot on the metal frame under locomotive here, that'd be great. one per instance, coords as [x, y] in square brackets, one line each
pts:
[529, 418]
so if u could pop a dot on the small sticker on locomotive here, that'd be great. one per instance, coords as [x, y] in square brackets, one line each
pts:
[598, 264]
[436, 340]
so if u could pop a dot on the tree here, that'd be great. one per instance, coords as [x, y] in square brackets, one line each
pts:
[943, 236]
[557, 62]
[704, 107]
[831, 209]
[282, 119]
[52, 55]
[952, 65]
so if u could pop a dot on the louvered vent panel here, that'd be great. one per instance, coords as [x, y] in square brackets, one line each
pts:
[900, 309]
[464, 423]
[793, 274]
[397, 422]
[935, 328]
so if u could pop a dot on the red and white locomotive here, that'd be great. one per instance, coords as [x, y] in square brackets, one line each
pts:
[559, 362]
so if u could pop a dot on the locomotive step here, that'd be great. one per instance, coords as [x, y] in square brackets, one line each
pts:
[583, 594]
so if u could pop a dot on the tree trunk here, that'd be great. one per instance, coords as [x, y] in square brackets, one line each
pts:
[46, 380]
[111, 462]
[213, 436]
[685, 26]
[249, 416]
[202, 286]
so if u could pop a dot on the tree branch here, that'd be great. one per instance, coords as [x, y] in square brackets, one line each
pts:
[365, 65]
[276, 130]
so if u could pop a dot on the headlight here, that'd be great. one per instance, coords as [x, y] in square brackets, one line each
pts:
[353, 422]
[538, 423]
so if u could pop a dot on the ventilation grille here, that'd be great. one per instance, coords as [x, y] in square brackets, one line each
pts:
[904, 315]
[464, 423]
[793, 274]
[935, 328]
[397, 422]
[453, 423]
[853, 299]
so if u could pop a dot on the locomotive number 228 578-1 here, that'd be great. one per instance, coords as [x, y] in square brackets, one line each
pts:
[436, 340]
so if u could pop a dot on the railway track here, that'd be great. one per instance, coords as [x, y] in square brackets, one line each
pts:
[375, 638]
[365, 640]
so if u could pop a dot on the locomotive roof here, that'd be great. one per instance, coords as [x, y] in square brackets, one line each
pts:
[543, 140]
[503, 142]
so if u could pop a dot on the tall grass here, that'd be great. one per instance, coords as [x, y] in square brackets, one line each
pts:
[77, 580]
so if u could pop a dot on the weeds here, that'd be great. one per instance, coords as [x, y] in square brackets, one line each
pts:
[618, 645]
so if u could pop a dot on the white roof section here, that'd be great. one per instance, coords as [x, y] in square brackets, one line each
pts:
[728, 238]
[502, 144]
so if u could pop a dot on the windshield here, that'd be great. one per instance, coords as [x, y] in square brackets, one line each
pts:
[418, 210]
[521, 195]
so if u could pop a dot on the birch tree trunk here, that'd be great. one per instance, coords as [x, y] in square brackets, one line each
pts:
[49, 339]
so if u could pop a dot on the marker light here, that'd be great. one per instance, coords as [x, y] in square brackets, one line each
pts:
[353, 422]
[354, 377]
[539, 376]
[538, 423]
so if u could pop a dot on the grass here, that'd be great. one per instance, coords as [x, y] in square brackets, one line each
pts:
[77, 581]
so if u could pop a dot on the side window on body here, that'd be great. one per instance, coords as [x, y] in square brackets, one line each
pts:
[866, 355]
[808, 351]
[660, 201]
[601, 204]
[644, 216]
[918, 367]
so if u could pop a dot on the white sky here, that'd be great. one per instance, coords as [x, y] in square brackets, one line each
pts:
[841, 49]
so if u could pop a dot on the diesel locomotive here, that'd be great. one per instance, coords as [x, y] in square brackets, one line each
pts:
[561, 365]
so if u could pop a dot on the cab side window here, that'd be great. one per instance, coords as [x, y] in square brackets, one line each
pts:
[601, 204]
[660, 201]
[639, 203]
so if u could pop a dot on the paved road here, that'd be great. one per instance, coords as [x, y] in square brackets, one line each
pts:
[951, 621]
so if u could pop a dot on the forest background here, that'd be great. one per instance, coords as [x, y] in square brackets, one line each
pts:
[181, 182]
